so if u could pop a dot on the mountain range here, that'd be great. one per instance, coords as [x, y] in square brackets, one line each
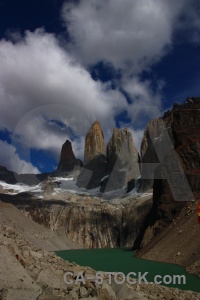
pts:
[146, 201]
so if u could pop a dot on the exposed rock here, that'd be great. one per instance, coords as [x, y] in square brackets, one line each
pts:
[68, 161]
[7, 176]
[94, 158]
[94, 143]
[32, 231]
[85, 221]
[29, 272]
[171, 246]
[122, 160]
[41, 277]
[177, 178]
[29, 179]
[149, 158]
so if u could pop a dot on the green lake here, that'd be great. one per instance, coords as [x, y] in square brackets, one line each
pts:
[123, 260]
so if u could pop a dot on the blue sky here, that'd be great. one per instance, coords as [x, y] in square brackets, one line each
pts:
[64, 64]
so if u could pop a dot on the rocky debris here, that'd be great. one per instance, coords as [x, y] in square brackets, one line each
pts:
[68, 161]
[177, 243]
[28, 272]
[32, 231]
[122, 161]
[94, 158]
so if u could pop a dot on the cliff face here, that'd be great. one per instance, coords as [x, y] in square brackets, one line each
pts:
[87, 221]
[112, 167]
[68, 161]
[94, 143]
[122, 160]
[177, 177]
[94, 158]
[149, 158]
[181, 125]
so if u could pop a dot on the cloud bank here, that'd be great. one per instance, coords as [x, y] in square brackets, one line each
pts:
[129, 34]
[44, 84]
[11, 160]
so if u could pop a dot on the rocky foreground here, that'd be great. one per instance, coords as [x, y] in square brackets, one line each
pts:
[29, 272]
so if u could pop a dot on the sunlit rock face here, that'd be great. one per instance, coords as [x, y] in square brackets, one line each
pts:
[94, 158]
[68, 161]
[111, 167]
[94, 143]
[122, 160]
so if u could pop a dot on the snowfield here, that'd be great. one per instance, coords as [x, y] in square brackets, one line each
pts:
[67, 184]
[20, 188]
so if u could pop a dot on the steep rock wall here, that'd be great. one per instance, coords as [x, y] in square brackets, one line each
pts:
[92, 223]
[177, 177]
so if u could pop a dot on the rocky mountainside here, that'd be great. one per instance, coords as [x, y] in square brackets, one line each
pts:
[28, 271]
[34, 232]
[90, 222]
[178, 243]
[177, 177]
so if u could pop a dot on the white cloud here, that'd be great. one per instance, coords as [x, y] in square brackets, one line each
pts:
[146, 102]
[36, 72]
[129, 34]
[39, 82]
[11, 160]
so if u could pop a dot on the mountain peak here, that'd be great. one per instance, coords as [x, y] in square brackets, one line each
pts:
[94, 142]
[68, 160]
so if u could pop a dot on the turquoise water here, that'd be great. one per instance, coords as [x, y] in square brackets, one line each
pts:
[123, 260]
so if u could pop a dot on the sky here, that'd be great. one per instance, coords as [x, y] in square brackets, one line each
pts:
[65, 64]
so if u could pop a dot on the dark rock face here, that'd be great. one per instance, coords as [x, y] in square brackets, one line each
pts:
[122, 160]
[177, 177]
[7, 176]
[94, 158]
[149, 158]
[68, 161]
[12, 177]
